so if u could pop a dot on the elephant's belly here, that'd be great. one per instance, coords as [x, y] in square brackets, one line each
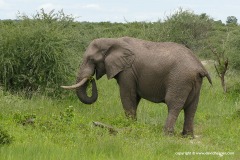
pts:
[151, 83]
[153, 93]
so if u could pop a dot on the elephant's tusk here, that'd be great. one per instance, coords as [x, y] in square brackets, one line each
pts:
[76, 85]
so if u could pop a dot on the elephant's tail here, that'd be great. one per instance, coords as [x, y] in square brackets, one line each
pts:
[209, 78]
[205, 74]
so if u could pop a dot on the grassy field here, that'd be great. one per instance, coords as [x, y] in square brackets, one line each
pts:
[63, 128]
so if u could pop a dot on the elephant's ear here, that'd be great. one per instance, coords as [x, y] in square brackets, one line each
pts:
[118, 58]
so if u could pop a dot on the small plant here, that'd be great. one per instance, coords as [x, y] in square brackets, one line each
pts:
[68, 115]
[5, 138]
[237, 114]
[27, 119]
[58, 122]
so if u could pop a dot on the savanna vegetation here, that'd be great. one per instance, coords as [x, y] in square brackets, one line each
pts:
[39, 120]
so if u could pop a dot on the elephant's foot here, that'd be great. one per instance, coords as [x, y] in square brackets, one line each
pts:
[132, 115]
[187, 134]
[169, 131]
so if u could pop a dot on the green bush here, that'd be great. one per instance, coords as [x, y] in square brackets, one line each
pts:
[235, 49]
[5, 138]
[38, 54]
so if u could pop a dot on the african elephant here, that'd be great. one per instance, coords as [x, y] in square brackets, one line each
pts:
[159, 72]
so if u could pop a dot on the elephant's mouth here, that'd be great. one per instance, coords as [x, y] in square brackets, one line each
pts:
[99, 73]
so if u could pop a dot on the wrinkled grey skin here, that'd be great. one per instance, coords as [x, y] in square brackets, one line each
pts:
[159, 72]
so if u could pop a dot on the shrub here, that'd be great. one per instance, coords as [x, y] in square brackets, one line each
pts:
[37, 54]
[234, 49]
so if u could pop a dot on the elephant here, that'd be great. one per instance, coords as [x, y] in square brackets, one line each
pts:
[160, 72]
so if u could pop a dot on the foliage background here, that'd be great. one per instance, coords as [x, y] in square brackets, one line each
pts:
[41, 52]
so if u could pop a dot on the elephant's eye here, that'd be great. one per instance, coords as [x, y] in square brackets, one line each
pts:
[104, 52]
[91, 60]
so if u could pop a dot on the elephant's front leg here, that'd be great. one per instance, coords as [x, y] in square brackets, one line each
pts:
[130, 102]
[128, 93]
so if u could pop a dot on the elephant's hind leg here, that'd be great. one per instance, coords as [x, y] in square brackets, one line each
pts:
[190, 108]
[171, 120]
[175, 100]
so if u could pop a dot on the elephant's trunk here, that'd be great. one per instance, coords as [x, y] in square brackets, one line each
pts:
[82, 92]
[87, 70]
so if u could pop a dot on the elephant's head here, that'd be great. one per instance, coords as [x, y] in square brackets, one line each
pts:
[103, 56]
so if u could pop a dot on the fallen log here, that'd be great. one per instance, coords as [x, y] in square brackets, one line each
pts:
[111, 129]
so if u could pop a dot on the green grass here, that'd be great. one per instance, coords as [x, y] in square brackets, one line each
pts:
[63, 127]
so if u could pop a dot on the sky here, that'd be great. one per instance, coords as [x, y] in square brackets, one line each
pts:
[121, 10]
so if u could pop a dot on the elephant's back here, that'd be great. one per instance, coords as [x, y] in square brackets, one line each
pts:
[180, 55]
[167, 55]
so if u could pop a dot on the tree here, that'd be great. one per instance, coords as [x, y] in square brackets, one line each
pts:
[221, 65]
[232, 20]
[187, 28]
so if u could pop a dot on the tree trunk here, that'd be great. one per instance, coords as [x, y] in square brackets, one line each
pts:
[223, 83]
